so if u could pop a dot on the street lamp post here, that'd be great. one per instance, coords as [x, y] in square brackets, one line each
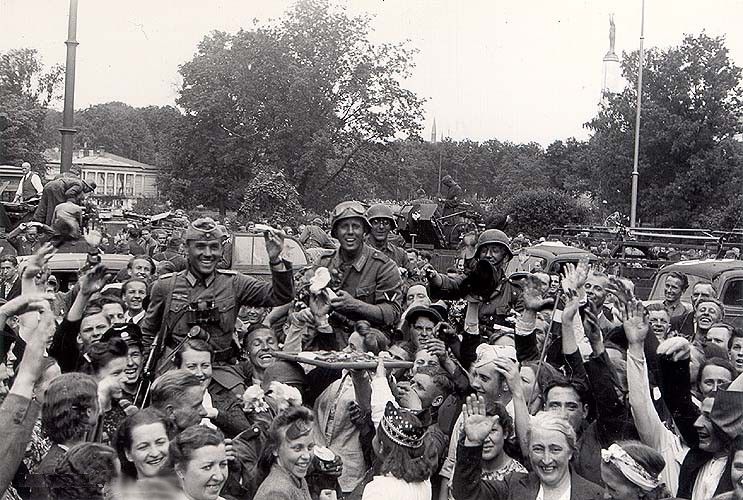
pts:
[635, 172]
[68, 128]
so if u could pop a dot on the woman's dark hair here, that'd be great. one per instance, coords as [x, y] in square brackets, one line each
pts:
[101, 353]
[650, 460]
[192, 345]
[191, 439]
[412, 465]
[722, 363]
[504, 419]
[283, 420]
[123, 436]
[70, 402]
[83, 472]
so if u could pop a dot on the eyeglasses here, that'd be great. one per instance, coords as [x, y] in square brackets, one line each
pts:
[381, 222]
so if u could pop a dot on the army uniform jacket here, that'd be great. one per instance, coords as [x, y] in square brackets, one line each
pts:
[228, 289]
[372, 278]
[394, 252]
[494, 309]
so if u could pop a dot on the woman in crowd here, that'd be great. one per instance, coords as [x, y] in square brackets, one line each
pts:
[406, 461]
[108, 360]
[88, 470]
[142, 442]
[286, 456]
[199, 459]
[551, 444]
[631, 471]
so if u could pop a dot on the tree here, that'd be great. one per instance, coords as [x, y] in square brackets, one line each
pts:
[537, 211]
[307, 95]
[271, 198]
[26, 88]
[692, 103]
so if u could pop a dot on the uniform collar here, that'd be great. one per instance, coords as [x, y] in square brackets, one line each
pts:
[193, 280]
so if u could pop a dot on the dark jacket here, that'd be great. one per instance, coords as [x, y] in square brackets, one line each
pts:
[468, 484]
[18, 416]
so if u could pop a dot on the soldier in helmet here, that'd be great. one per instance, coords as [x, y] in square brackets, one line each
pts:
[493, 302]
[382, 222]
[368, 283]
[210, 298]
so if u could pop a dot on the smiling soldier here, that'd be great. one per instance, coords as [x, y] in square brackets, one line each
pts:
[204, 296]
[367, 282]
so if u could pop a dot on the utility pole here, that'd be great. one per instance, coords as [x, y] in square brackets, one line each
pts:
[635, 172]
[68, 128]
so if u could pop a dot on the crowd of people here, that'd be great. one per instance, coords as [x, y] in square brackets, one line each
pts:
[179, 378]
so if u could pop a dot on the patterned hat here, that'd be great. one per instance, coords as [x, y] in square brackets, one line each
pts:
[402, 427]
[204, 229]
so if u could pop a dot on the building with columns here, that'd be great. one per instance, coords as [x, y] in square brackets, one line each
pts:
[120, 181]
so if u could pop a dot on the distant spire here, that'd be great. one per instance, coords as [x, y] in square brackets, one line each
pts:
[433, 131]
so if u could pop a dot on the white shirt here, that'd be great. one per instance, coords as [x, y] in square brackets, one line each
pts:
[564, 495]
[128, 318]
[708, 479]
[35, 182]
[391, 488]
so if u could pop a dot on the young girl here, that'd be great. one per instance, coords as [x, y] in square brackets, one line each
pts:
[405, 459]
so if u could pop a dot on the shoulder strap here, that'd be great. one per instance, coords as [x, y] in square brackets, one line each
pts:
[169, 287]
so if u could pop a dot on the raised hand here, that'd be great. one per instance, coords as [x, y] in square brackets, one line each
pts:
[26, 303]
[636, 323]
[533, 293]
[274, 243]
[677, 348]
[435, 347]
[571, 305]
[509, 369]
[581, 272]
[93, 280]
[623, 295]
[477, 425]
[591, 325]
[36, 264]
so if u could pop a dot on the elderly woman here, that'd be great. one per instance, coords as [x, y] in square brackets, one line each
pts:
[199, 458]
[142, 442]
[551, 444]
[286, 456]
[631, 471]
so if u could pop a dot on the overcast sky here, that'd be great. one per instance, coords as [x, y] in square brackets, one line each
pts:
[519, 70]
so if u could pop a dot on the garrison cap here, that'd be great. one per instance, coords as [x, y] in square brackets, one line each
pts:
[204, 229]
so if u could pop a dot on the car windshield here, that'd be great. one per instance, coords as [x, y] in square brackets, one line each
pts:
[250, 250]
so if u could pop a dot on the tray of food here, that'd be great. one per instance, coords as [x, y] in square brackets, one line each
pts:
[341, 360]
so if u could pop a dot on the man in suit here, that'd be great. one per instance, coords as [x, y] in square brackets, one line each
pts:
[10, 284]
[30, 187]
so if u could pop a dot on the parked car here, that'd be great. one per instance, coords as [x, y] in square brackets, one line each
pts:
[726, 275]
[249, 254]
[65, 266]
[551, 256]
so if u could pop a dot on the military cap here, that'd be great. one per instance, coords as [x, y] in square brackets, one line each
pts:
[128, 332]
[204, 229]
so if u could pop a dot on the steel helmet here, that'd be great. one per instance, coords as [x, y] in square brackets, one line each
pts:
[493, 237]
[348, 210]
[380, 211]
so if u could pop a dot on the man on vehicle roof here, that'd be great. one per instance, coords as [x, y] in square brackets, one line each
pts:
[204, 296]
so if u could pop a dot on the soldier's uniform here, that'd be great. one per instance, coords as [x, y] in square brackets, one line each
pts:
[179, 301]
[394, 252]
[372, 278]
[504, 296]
